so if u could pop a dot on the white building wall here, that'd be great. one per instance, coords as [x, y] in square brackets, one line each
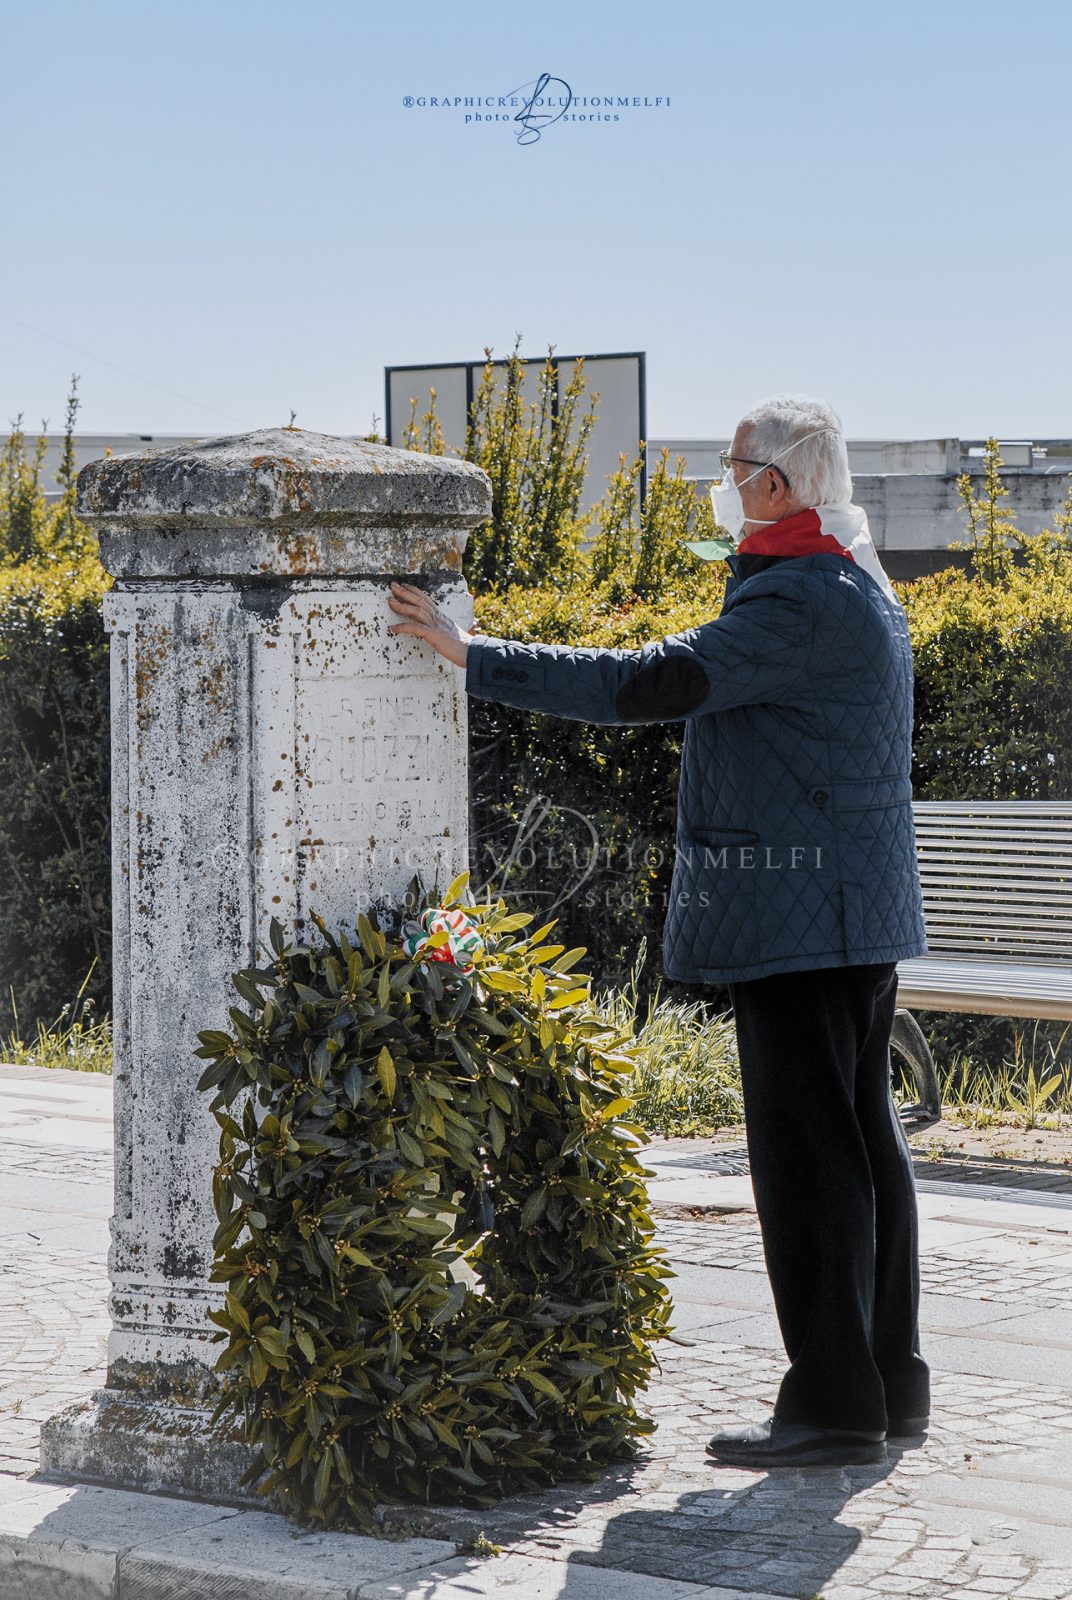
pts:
[908, 487]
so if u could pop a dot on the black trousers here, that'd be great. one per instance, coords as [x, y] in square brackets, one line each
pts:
[835, 1193]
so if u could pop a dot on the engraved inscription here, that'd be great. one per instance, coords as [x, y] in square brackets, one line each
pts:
[375, 755]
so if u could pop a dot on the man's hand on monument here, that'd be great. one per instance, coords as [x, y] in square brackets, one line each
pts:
[425, 619]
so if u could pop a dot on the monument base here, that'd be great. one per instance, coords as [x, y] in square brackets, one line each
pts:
[134, 1441]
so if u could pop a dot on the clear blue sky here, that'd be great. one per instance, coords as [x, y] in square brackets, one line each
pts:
[863, 201]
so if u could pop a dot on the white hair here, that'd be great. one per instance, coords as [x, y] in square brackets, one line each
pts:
[816, 470]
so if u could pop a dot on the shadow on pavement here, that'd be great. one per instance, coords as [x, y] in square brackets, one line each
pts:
[781, 1532]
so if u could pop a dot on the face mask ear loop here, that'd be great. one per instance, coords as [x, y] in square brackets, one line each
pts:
[814, 434]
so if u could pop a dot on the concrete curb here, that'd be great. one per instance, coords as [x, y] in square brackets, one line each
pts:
[83, 1542]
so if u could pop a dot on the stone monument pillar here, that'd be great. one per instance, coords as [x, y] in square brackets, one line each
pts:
[275, 751]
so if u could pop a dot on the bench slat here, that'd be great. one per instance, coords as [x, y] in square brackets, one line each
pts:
[1031, 920]
[1009, 864]
[1029, 889]
[983, 839]
[992, 988]
[943, 941]
[947, 940]
[1040, 941]
[1000, 828]
[997, 909]
[1006, 821]
[952, 941]
[968, 808]
[950, 853]
[946, 827]
[986, 913]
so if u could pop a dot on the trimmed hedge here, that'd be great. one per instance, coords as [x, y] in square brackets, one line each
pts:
[374, 1110]
[993, 684]
[55, 812]
[55, 845]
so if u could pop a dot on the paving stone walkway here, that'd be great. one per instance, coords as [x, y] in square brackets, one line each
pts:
[1023, 1268]
[729, 1158]
[982, 1508]
[53, 1333]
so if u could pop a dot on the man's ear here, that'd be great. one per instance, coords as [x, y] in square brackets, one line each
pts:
[777, 488]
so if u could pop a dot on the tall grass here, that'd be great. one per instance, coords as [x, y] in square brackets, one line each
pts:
[1033, 1090]
[687, 1079]
[76, 1039]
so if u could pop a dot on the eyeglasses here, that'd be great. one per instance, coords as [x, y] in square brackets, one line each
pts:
[726, 459]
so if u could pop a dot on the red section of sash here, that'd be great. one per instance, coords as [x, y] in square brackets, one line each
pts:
[798, 535]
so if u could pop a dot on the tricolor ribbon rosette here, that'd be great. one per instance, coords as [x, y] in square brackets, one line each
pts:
[462, 936]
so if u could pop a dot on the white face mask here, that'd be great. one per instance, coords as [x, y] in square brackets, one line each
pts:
[726, 495]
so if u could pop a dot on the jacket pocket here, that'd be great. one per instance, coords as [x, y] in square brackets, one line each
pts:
[798, 903]
[721, 836]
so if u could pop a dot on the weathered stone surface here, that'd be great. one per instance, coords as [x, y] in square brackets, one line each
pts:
[120, 1437]
[275, 753]
[281, 501]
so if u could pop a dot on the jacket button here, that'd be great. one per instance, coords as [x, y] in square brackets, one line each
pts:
[820, 796]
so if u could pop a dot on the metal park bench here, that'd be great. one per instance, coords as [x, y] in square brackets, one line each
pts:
[997, 900]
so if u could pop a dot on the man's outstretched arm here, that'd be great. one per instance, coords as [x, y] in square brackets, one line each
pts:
[756, 653]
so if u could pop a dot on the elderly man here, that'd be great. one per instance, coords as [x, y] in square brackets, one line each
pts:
[796, 883]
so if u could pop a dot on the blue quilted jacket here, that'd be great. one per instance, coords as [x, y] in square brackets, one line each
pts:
[795, 842]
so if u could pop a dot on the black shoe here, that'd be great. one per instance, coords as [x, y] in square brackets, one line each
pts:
[907, 1427]
[787, 1444]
